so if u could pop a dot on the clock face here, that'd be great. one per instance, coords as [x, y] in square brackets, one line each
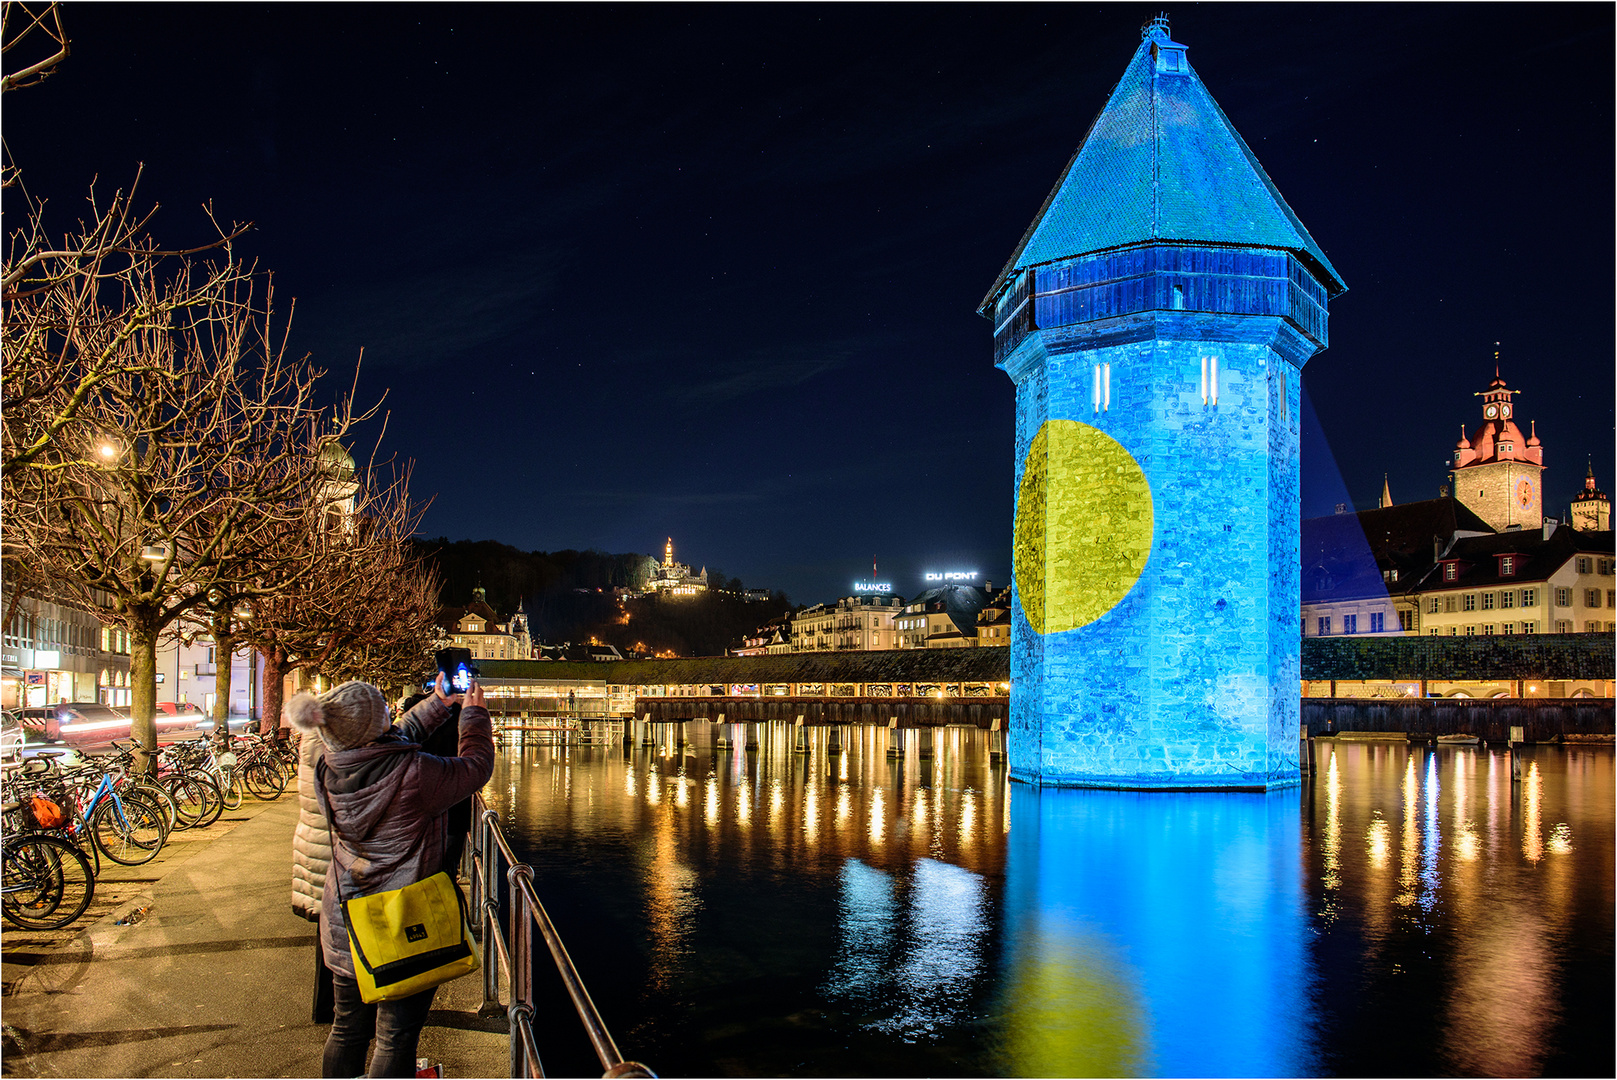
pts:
[1504, 410]
[1491, 411]
[1524, 493]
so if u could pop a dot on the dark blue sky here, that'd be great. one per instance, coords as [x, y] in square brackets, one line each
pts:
[711, 272]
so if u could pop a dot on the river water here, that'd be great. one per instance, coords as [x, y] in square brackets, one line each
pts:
[1410, 911]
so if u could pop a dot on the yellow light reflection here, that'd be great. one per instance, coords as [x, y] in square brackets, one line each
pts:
[1560, 842]
[920, 810]
[1532, 809]
[710, 807]
[628, 783]
[743, 805]
[682, 791]
[968, 817]
[1409, 850]
[777, 801]
[844, 803]
[1379, 837]
[1333, 825]
[811, 815]
[878, 823]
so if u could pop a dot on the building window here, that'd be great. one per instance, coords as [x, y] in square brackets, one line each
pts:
[1468, 602]
[1507, 565]
[1487, 601]
[1432, 632]
[1611, 597]
[1529, 627]
[1591, 598]
[1584, 564]
[1453, 630]
[1431, 606]
[1605, 566]
[1406, 620]
[1591, 628]
[1350, 624]
[1470, 631]
[1563, 597]
[1324, 625]
[1451, 571]
[1377, 622]
[1508, 628]
[1507, 599]
[1563, 626]
[1487, 629]
[1451, 603]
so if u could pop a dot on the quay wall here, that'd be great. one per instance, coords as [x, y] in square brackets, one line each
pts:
[1542, 719]
[910, 712]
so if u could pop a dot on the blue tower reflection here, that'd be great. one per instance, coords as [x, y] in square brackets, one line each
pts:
[1155, 934]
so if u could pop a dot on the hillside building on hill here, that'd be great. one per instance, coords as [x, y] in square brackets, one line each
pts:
[674, 578]
[477, 627]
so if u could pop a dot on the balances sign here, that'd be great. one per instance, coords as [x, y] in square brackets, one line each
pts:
[872, 586]
[951, 575]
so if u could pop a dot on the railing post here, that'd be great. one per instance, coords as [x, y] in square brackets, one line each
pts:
[489, 920]
[521, 939]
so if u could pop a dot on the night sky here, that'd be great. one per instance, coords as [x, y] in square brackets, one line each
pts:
[711, 272]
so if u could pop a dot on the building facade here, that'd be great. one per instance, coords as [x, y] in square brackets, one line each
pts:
[54, 653]
[852, 624]
[477, 627]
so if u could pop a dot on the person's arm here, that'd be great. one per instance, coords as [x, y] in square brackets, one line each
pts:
[428, 713]
[446, 781]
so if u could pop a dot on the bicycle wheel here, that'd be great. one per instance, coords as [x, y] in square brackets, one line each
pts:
[229, 783]
[198, 799]
[128, 829]
[263, 780]
[47, 882]
[158, 795]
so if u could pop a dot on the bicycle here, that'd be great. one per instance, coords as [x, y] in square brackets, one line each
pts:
[124, 827]
[45, 882]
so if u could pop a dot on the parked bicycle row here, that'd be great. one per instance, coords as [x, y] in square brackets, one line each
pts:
[64, 813]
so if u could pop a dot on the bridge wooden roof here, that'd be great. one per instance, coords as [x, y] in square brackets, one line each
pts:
[981, 664]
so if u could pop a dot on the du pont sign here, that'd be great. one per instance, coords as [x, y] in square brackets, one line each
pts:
[951, 575]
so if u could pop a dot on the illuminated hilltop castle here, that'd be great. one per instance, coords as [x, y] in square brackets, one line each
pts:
[675, 579]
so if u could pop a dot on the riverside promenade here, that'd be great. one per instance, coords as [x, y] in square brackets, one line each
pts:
[195, 965]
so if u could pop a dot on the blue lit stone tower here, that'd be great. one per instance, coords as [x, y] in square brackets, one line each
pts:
[1155, 319]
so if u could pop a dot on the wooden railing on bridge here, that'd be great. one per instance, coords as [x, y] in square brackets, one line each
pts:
[909, 712]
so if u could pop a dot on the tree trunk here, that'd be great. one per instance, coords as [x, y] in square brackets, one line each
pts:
[143, 693]
[274, 678]
[224, 647]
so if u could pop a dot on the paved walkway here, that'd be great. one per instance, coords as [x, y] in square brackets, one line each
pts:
[194, 965]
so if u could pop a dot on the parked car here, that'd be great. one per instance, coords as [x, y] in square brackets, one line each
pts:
[12, 739]
[41, 720]
[85, 722]
[181, 708]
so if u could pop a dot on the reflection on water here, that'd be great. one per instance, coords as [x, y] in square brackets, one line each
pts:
[1410, 910]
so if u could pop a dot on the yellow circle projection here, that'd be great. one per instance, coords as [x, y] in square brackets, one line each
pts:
[1083, 526]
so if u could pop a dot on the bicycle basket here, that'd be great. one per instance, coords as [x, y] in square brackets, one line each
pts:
[46, 813]
[227, 759]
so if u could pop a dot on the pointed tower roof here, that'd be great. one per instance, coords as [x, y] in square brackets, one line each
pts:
[1161, 162]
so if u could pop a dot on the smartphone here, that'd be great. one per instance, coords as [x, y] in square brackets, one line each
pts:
[456, 665]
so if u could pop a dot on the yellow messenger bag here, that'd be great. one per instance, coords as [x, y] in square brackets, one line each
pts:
[408, 940]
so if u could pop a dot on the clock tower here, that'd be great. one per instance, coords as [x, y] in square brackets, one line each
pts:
[1498, 474]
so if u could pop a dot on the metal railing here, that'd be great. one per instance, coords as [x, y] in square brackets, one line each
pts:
[511, 948]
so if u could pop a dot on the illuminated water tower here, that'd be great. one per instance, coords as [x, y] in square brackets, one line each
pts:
[1155, 319]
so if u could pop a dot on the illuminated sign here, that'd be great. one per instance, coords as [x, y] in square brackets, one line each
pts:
[951, 575]
[872, 586]
[47, 658]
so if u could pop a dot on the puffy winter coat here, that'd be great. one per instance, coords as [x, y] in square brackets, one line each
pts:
[311, 840]
[388, 799]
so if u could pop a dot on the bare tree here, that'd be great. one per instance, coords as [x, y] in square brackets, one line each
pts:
[143, 502]
[367, 608]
